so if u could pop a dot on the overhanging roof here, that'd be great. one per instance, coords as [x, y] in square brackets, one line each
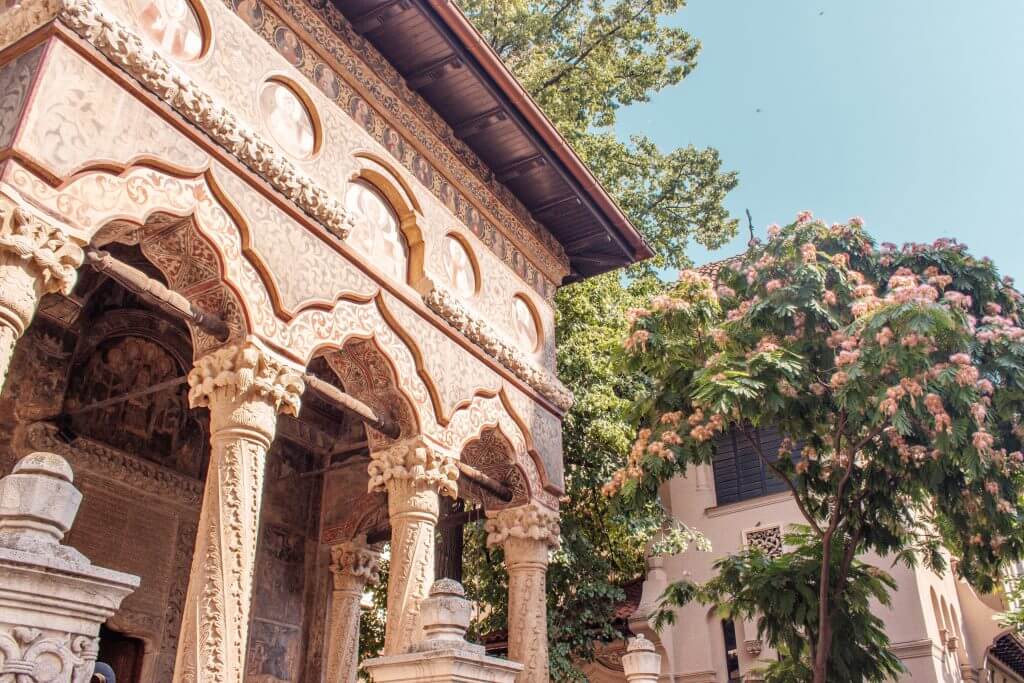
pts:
[443, 57]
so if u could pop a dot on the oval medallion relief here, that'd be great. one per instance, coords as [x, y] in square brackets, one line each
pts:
[525, 321]
[458, 267]
[288, 119]
[377, 233]
[174, 26]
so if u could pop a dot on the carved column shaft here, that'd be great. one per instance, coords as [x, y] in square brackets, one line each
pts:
[354, 566]
[528, 534]
[414, 473]
[35, 259]
[244, 389]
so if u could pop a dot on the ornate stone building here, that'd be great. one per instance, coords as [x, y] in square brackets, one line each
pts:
[275, 277]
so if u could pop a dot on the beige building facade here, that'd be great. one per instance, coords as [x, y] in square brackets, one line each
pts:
[275, 277]
[941, 629]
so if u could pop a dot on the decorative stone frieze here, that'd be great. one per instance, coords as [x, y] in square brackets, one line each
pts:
[528, 534]
[354, 566]
[244, 387]
[128, 51]
[36, 258]
[24, 17]
[443, 655]
[641, 663]
[52, 599]
[414, 473]
[481, 333]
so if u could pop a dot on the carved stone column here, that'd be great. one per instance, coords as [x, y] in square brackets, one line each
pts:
[244, 388]
[414, 473]
[36, 258]
[527, 533]
[354, 567]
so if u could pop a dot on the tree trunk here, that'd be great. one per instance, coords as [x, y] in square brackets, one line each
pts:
[824, 649]
[448, 560]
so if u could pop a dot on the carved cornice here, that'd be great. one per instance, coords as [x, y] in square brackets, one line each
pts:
[492, 342]
[119, 466]
[243, 372]
[43, 249]
[532, 521]
[127, 50]
[25, 17]
[415, 461]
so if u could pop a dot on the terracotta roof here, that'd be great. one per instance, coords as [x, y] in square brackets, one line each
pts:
[446, 61]
[712, 269]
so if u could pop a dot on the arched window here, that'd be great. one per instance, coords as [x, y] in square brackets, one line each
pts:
[377, 233]
[732, 660]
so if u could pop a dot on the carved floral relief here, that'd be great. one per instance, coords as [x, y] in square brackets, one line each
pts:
[15, 79]
[79, 117]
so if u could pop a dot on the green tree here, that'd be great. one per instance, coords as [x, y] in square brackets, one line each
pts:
[895, 376]
[583, 60]
[781, 593]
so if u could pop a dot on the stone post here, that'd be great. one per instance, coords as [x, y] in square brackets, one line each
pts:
[413, 473]
[443, 655]
[354, 566]
[641, 663]
[244, 388]
[527, 533]
[52, 599]
[36, 258]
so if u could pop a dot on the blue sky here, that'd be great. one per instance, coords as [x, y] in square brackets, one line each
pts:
[906, 112]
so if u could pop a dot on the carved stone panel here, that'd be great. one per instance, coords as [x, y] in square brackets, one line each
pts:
[159, 426]
[15, 80]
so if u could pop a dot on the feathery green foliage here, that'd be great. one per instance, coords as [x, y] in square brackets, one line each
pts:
[897, 375]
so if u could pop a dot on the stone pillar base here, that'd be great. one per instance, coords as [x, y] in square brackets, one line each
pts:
[442, 666]
[52, 599]
[443, 655]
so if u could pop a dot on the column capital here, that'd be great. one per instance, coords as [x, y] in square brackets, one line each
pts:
[533, 522]
[244, 385]
[418, 464]
[42, 247]
[355, 564]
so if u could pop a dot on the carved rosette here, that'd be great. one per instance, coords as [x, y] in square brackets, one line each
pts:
[36, 259]
[244, 387]
[414, 473]
[354, 566]
[528, 534]
[32, 654]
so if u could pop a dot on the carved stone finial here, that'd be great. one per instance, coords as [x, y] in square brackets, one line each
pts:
[38, 504]
[445, 616]
[417, 462]
[242, 372]
[641, 663]
[53, 599]
[532, 521]
[640, 643]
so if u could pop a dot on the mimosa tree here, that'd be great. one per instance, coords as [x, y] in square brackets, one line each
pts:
[895, 376]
